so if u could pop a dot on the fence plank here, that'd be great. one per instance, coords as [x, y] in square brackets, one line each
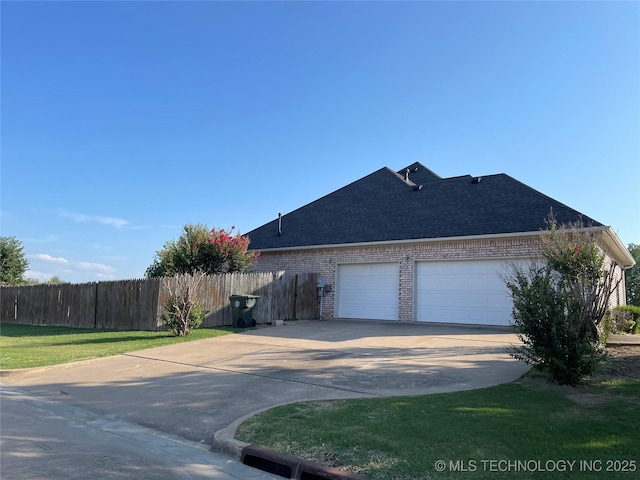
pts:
[138, 304]
[307, 304]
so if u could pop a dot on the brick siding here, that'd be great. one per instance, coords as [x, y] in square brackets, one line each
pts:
[325, 261]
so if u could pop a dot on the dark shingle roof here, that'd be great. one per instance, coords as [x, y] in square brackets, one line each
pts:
[383, 207]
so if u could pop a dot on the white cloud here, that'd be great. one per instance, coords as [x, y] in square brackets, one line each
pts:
[40, 276]
[82, 218]
[105, 276]
[48, 258]
[99, 267]
[67, 269]
[47, 239]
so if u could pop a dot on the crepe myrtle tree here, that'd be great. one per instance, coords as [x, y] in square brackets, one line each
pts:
[200, 249]
[559, 303]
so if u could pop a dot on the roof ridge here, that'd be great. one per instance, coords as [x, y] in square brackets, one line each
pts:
[423, 173]
[405, 178]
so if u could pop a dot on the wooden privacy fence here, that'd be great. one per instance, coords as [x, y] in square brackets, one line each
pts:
[138, 304]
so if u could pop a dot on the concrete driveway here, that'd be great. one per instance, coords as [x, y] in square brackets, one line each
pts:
[196, 389]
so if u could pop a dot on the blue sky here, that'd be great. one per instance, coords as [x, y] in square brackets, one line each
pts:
[124, 121]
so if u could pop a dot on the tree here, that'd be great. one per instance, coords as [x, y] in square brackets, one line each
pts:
[586, 275]
[13, 263]
[558, 306]
[55, 280]
[199, 249]
[632, 277]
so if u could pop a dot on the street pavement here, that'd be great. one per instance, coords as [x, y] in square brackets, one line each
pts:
[48, 440]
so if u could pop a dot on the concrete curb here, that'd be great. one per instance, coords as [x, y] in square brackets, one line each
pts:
[224, 440]
[290, 466]
[623, 340]
[270, 461]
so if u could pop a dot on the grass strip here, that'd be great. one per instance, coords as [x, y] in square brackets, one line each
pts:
[472, 435]
[27, 346]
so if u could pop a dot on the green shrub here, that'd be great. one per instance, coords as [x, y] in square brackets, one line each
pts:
[182, 311]
[179, 323]
[559, 305]
[626, 319]
[547, 321]
[606, 328]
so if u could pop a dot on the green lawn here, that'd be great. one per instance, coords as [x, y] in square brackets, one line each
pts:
[476, 434]
[26, 346]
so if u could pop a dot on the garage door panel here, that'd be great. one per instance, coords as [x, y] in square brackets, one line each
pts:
[368, 291]
[462, 292]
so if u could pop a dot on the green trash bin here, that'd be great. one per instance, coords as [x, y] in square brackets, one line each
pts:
[241, 310]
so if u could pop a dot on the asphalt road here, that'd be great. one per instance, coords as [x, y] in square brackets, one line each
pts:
[41, 439]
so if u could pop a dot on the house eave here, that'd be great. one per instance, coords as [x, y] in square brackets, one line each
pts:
[611, 240]
[619, 251]
[404, 242]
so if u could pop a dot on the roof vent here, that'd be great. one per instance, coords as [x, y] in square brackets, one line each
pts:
[476, 180]
[279, 224]
[417, 188]
[406, 175]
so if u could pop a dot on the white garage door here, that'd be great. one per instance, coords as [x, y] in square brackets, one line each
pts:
[368, 291]
[462, 292]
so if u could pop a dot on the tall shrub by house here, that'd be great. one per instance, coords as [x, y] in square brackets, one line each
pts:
[559, 304]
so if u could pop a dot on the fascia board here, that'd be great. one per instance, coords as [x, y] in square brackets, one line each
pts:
[618, 250]
[405, 242]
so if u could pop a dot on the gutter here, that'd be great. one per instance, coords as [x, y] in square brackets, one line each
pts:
[616, 246]
[612, 241]
[404, 242]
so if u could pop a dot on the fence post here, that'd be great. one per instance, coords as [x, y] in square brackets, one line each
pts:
[95, 308]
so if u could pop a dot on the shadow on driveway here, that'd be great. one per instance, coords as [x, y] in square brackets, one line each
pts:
[197, 388]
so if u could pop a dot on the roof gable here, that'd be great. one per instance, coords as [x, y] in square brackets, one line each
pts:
[387, 206]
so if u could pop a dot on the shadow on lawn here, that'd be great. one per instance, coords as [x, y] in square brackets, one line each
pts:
[17, 331]
[14, 330]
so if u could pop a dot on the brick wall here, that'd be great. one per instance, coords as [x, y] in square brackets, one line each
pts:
[325, 261]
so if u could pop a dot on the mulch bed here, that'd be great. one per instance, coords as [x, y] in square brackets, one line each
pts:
[623, 362]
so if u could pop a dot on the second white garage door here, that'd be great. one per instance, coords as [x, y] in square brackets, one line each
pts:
[367, 290]
[462, 292]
